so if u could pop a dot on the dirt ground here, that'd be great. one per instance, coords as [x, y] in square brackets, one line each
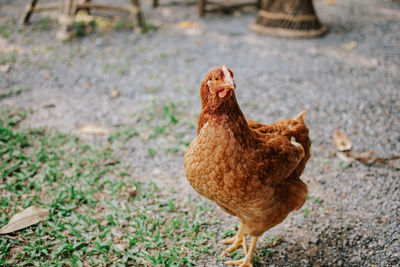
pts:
[346, 80]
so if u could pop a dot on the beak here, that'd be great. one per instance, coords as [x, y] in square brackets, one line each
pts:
[229, 86]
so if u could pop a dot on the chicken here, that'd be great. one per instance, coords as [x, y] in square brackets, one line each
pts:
[251, 170]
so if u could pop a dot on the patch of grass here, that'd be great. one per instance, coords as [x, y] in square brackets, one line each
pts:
[122, 24]
[161, 125]
[7, 58]
[121, 71]
[49, 48]
[44, 23]
[315, 200]
[344, 165]
[79, 29]
[116, 68]
[163, 115]
[306, 212]
[265, 252]
[152, 152]
[229, 232]
[12, 91]
[273, 241]
[123, 133]
[93, 218]
[163, 119]
[148, 27]
[5, 31]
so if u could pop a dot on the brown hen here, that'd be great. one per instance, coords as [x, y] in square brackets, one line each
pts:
[251, 170]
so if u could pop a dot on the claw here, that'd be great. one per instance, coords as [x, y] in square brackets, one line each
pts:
[235, 245]
[236, 241]
[241, 263]
[248, 259]
[228, 241]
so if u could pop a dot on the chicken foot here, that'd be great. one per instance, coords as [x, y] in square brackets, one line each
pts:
[236, 241]
[248, 259]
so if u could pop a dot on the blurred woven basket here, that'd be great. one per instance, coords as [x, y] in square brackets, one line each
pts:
[288, 18]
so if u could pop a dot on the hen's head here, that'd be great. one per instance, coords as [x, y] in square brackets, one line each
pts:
[218, 87]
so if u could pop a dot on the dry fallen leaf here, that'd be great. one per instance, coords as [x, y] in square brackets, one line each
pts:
[86, 85]
[383, 219]
[4, 211]
[393, 162]
[342, 142]
[329, 2]
[49, 106]
[5, 68]
[46, 75]
[344, 157]
[99, 196]
[349, 46]
[25, 218]
[132, 191]
[114, 92]
[109, 162]
[365, 157]
[187, 24]
[94, 129]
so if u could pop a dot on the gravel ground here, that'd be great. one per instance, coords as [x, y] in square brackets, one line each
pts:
[353, 215]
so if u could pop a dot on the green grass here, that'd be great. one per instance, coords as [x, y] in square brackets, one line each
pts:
[44, 23]
[12, 91]
[94, 219]
[162, 125]
[123, 133]
[5, 31]
[118, 69]
[8, 58]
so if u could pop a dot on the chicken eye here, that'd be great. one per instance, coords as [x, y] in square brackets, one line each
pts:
[216, 78]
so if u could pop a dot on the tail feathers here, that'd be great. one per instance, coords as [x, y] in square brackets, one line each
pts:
[301, 116]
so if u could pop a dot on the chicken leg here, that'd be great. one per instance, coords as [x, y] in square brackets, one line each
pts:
[236, 241]
[248, 259]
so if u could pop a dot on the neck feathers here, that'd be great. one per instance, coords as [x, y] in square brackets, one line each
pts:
[229, 114]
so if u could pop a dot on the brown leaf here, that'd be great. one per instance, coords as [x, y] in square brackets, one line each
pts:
[132, 191]
[46, 75]
[109, 162]
[386, 160]
[329, 2]
[99, 196]
[341, 141]
[86, 85]
[383, 219]
[5, 68]
[344, 157]
[94, 129]
[114, 93]
[349, 46]
[49, 106]
[25, 218]
[4, 211]
[187, 24]
[394, 163]
[365, 157]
